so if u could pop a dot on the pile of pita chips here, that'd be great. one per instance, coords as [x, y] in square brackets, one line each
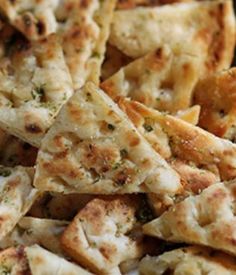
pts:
[114, 120]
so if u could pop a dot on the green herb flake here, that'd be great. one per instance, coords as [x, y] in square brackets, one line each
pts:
[95, 55]
[38, 92]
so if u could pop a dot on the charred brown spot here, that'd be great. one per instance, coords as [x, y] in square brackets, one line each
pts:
[40, 27]
[33, 129]
[134, 141]
[158, 53]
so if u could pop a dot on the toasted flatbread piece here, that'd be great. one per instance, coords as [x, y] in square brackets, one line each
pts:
[30, 93]
[33, 18]
[113, 61]
[13, 261]
[200, 158]
[84, 34]
[131, 4]
[189, 260]
[16, 196]
[216, 94]
[162, 79]
[100, 236]
[94, 148]
[207, 219]
[43, 262]
[58, 206]
[29, 231]
[14, 151]
[207, 29]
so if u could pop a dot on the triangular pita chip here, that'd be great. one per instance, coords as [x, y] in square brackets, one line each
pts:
[93, 148]
[161, 79]
[34, 18]
[30, 93]
[200, 158]
[103, 235]
[216, 94]
[205, 29]
[13, 261]
[16, 196]
[29, 231]
[189, 260]
[206, 219]
[83, 27]
[44, 262]
[84, 31]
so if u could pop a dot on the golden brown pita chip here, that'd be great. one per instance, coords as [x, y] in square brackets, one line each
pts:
[204, 29]
[162, 79]
[86, 151]
[189, 260]
[103, 235]
[30, 93]
[216, 94]
[206, 219]
[200, 158]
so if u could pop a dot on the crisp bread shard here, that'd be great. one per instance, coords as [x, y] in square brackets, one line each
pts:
[189, 260]
[30, 93]
[200, 158]
[34, 18]
[82, 25]
[14, 151]
[103, 235]
[93, 148]
[84, 32]
[44, 262]
[206, 219]
[29, 231]
[216, 94]
[206, 27]
[13, 261]
[162, 79]
[16, 196]
[36, 260]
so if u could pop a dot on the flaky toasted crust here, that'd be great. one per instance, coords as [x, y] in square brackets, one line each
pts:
[16, 196]
[13, 261]
[29, 231]
[31, 94]
[161, 79]
[189, 260]
[207, 27]
[44, 262]
[200, 158]
[94, 148]
[216, 94]
[207, 219]
[100, 235]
